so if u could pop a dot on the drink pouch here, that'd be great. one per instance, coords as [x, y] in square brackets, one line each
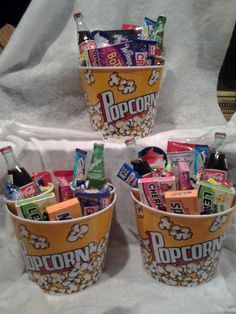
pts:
[146, 52]
[128, 175]
[92, 201]
[62, 184]
[79, 166]
[117, 55]
[147, 28]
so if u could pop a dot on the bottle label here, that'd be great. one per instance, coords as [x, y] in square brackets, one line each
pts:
[28, 190]
[88, 44]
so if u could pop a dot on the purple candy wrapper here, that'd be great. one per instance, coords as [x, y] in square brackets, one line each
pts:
[117, 55]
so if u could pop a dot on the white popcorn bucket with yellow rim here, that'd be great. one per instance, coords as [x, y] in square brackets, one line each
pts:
[122, 101]
[64, 257]
[180, 250]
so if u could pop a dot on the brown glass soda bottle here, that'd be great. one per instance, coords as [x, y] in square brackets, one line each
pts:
[216, 157]
[85, 38]
[19, 175]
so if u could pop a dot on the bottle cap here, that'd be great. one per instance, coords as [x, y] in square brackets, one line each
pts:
[6, 148]
[220, 134]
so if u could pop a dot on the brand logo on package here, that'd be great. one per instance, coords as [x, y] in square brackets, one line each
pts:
[113, 112]
[180, 255]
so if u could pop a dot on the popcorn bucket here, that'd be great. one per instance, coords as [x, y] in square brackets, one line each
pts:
[180, 250]
[11, 205]
[122, 101]
[66, 256]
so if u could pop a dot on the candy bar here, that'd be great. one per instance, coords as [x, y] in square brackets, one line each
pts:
[128, 175]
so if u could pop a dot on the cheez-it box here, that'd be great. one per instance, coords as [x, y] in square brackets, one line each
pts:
[64, 210]
[183, 202]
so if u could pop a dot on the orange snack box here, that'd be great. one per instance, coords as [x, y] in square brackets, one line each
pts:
[183, 202]
[64, 210]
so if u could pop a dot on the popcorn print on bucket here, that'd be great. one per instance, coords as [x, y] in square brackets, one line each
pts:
[139, 210]
[127, 87]
[218, 223]
[180, 273]
[177, 232]
[79, 275]
[153, 77]
[89, 76]
[77, 232]
[37, 241]
[123, 85]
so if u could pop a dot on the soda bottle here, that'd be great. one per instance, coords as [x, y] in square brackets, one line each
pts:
[85, 38]
[158, 31]
[20, 177]
[132, 148]
[216, 157]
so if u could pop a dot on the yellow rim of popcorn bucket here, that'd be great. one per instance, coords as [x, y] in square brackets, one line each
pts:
[180, 250]
[64, 257]
[122, 101]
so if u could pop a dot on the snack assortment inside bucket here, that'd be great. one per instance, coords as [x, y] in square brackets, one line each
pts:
[129, 46]
[121, 72]
[62, 238]
[58, 194]
[189, 178]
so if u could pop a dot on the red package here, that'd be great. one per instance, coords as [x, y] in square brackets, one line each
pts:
[174, 146]
[42, 178]
[63, 180]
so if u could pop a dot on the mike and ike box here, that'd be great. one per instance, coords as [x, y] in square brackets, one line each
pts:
[64, 210]
[183, 202]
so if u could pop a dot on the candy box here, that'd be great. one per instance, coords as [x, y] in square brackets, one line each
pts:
[151, 193]
[183, 202]
[215, 197]
[33, 209]
[64, 210]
